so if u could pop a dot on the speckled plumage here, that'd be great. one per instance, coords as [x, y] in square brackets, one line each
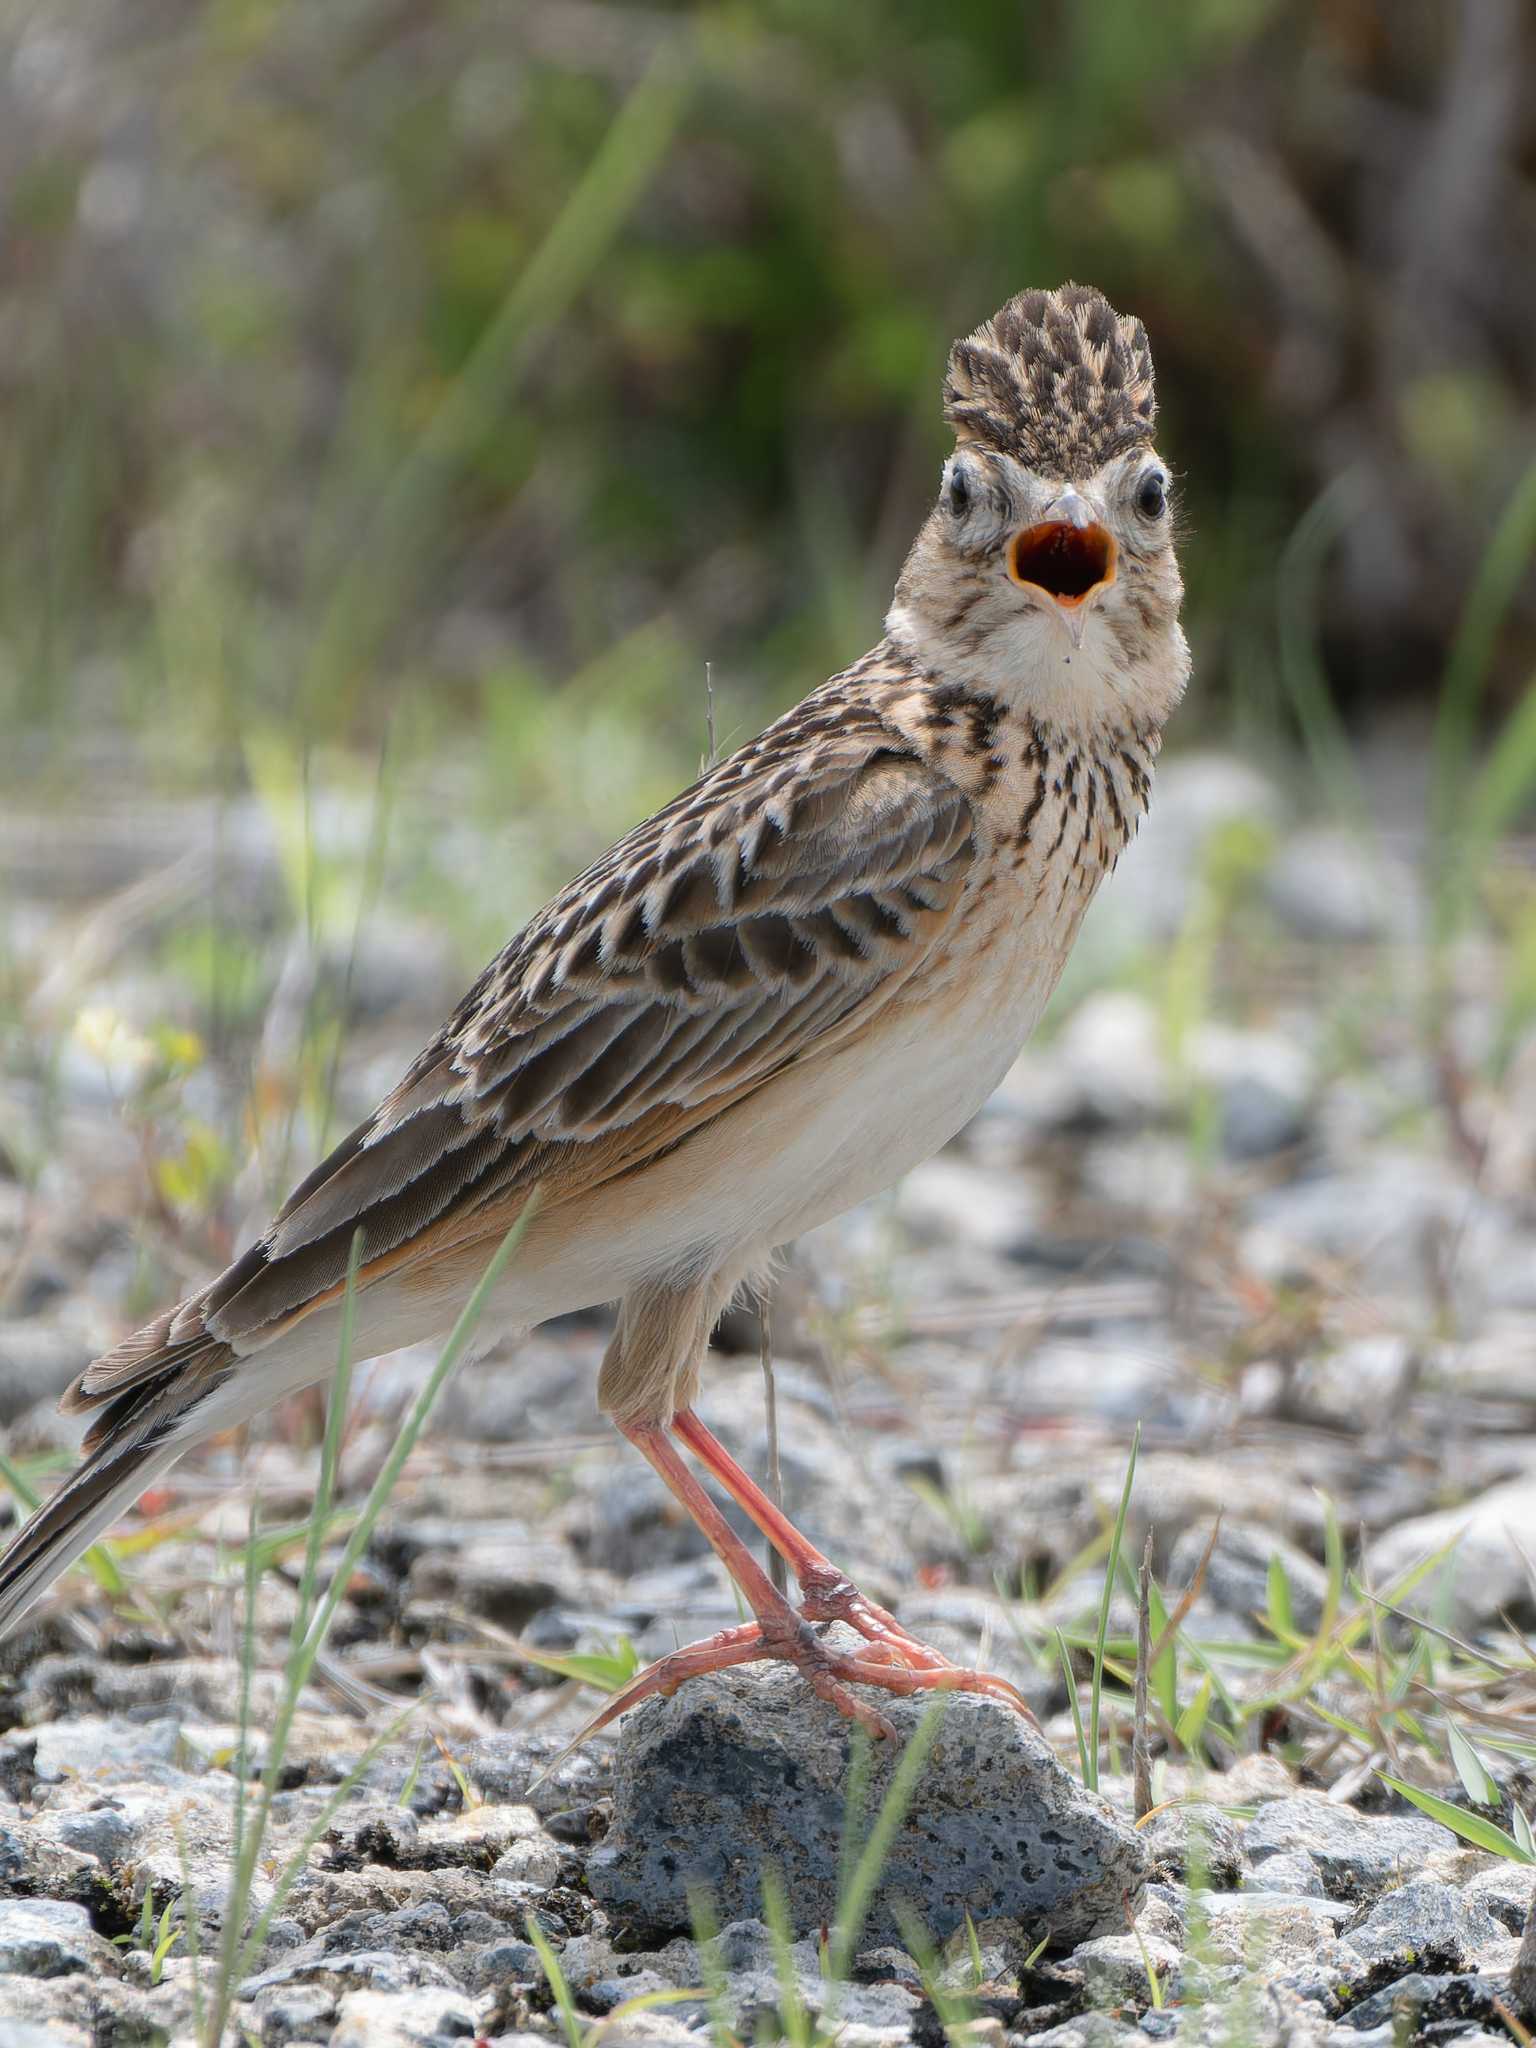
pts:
[1057, 379]
[767, 1001]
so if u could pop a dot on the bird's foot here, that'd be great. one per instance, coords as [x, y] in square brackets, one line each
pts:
[894, 1661]
[775, 1639]
[828, 1596]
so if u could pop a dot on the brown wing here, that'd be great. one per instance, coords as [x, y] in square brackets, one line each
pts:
[751, 923]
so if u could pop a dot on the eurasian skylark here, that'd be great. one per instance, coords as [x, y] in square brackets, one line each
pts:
[764, 1004]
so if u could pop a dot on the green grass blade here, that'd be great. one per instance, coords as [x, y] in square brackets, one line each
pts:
[853, 1901]
[1091, 1773]
[1070, 1682]
[549, 1963]
[1473, 1772]
[1484, 1834]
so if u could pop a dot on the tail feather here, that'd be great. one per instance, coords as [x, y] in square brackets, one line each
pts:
[139, 1432]
[83, 1509]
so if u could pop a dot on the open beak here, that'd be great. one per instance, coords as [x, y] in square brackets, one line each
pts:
[1067, 557]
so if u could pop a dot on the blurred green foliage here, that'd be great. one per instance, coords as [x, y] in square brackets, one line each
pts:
[486, 369]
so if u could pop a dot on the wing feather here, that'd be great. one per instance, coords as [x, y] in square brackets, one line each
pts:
[750, 924]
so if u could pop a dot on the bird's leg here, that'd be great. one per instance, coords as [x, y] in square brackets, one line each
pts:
[778, 1632]
[829, 1595]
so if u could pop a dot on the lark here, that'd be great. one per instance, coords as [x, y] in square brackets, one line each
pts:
[763, 1005]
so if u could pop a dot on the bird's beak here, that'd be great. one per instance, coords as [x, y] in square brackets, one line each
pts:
[1067, 557]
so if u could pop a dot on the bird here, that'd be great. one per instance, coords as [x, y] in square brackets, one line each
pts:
[796, 981]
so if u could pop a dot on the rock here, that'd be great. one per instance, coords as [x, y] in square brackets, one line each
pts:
[1293, 1876]
[1357, 1856]
[1485, 1573]
[506, 1962]
[411, 2019]
[1198, 1838]
[46, 1938]
[502, 1769]
[1116, 1968]
[1508, 1890]
[1092, 2030]
[294, 2012]
[373, 1969]
[60, 2012]
[1414, 2002]
[747, 1769]
[1237, 1577]
[38, 1363]
[1425, 1923]
[1328, 884]
[106, 1748]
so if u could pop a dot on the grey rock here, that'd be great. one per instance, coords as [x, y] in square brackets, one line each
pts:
[1091, 2030]
[47, 1938]
[1327, 884]
[31, 1863]
[412, 2019]
[1117, 1968]
[371, 1969]
[1485, 1573]
[1257, 1119]
[101, 1831]
[1293, 1875]
[106, 1748]
[1201, 1838]
[747, 1769]
[38, 1362]
[1508, 1890]
[502, 1770]
[64, 2010]
[505, 1962]
[1237, 1577]
[294, 2012]
[1426, 1922]
[1357, 1855]
[1412, 2002]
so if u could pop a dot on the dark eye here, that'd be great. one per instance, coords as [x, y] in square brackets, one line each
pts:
[1152, 495]
[959, 491]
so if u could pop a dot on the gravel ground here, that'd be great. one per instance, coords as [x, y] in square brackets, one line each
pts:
[1229, 1196]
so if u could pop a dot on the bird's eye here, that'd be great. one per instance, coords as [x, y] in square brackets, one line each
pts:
[1152, 494]
[959, 492]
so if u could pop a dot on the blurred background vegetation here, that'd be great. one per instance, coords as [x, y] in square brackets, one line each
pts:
[376, 365]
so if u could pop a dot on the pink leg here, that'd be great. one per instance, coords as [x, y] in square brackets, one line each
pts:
[829, 1594]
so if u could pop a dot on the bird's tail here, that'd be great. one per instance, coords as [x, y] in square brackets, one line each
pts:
[83, 1509]
[145, 1393]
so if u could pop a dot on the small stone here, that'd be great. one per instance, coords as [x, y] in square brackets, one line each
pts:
[46, 1938]
[1293, 1876]
[1116, 1968]
[1237, 1576]
[104, 1748]
[1508, 1890]
[1414, 2001]
[1485, 1574]
[1357, 1855]
[294, 2012]
[101, 1831]
[1195, 1838]
[1091, 2030]
[747, 1769]
[535, 1861]
[505, 1962]
[1424, 1923]
[1326, 884]
[412, 2019]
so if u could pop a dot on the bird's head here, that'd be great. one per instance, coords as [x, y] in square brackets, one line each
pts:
[1046, 572]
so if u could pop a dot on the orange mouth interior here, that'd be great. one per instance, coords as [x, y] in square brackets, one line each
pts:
[1068, 562]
